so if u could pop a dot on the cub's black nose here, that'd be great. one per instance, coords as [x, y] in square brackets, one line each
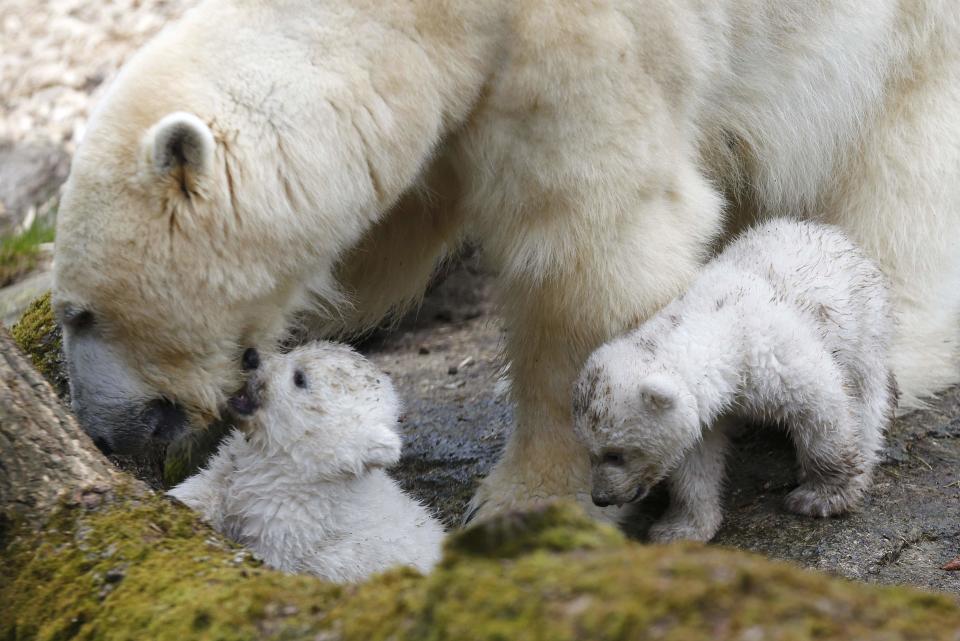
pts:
[250, 360]
[165, 419]
[600, 501]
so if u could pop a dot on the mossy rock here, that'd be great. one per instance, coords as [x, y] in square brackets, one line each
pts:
[138, 566]
[39, 336]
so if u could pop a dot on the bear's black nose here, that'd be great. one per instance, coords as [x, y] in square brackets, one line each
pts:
[250, 360]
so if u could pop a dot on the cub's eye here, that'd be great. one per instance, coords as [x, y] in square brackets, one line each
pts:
[77, 318]
[612, 458]
[300, 379]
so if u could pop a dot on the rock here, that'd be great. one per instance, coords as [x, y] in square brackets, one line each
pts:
[30, 176]
[547, 574]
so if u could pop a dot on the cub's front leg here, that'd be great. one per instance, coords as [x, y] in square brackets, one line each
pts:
[695, 511]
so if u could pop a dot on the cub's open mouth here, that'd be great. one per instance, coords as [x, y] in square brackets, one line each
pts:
[244, 403]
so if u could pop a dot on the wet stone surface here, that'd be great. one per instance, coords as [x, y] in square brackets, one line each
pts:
[455, 425]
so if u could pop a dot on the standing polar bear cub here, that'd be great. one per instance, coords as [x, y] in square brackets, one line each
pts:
[791, 323]
[302, 483]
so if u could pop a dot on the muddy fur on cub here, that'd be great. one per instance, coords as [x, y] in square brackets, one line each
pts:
[790, 324]
[302, 482]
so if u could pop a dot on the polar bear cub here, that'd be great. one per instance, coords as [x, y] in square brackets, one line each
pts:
[302, 482]
[791, 324]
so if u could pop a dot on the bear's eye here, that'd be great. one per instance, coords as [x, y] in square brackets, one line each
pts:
[612, 458]
[300, 379]
[78, 319]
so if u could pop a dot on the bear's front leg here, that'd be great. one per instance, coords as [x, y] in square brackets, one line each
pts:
[542, 459]
[593, 276]
[695, 511]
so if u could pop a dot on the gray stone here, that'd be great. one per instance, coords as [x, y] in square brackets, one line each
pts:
[30, 176]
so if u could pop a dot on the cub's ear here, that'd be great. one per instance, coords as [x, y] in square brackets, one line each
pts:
[180, 146]
[659, 393]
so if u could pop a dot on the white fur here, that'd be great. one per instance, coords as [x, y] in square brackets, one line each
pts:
[302, 484]
[596, 150]
[791, 323]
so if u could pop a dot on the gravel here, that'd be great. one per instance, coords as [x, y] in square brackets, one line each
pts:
[57, 58]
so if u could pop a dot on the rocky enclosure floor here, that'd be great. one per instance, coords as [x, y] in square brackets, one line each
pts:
[56, 59]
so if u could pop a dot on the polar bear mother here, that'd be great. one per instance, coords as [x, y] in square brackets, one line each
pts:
[260, 160]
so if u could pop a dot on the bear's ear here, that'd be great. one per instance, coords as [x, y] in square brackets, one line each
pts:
[659, 393]
[181, 146]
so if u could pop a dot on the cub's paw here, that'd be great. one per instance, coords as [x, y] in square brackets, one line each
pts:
[669, 529]
[821, 500]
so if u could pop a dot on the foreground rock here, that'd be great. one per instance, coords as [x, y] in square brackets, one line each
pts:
[88, 552]
[445, 361]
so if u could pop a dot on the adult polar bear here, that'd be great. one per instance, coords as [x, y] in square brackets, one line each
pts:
[262, 158]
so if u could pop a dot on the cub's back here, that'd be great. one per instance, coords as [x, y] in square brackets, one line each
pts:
[823, 274]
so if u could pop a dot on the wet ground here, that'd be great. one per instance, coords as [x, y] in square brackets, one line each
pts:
[445, 362]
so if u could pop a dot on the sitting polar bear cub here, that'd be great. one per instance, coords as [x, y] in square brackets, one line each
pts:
[791, 323]
[303, 485]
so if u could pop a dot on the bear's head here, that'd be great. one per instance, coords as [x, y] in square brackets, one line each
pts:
[322, 407]
[191, 229]
[637, 420]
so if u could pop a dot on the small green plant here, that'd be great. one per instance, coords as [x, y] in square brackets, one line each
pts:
[20, 253]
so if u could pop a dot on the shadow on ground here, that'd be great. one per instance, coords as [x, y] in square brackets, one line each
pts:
[445, 362]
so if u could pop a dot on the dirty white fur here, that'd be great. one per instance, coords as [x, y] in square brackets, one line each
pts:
[303, 484]
[790, 324]
[595, 150]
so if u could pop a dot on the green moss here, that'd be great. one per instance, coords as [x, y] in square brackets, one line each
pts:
[139, 567]
[556, 527]
[38, 334]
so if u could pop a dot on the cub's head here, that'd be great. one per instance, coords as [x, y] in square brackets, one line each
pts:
[190, 230]
[637, 421]
[324, 406]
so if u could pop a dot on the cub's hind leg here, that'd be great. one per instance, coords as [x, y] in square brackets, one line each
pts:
[803, 387]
